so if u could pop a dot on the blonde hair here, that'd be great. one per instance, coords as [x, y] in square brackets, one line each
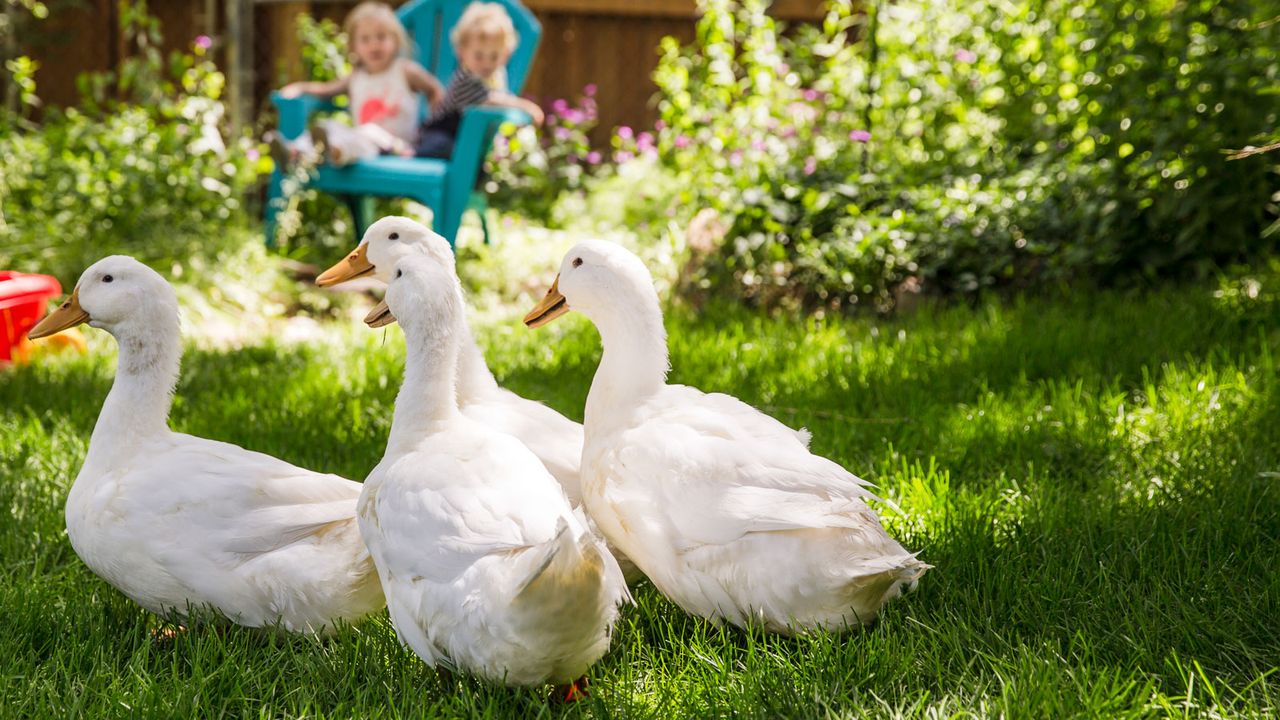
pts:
[485, 19]
[380, 13]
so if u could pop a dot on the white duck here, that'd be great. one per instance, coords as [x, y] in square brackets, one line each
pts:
[485, 566]
[175, 521]
[723, 507]
[555, 439]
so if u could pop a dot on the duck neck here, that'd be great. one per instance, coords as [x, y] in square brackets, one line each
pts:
[138, 405]
[428, 395]
[474, 378]
[635, 363]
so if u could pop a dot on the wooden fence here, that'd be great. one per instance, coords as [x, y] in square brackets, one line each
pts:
[612, 44]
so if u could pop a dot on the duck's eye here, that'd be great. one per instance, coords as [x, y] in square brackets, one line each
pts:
[107, 278]
[399, 273]
[577, 262]
[393, 236]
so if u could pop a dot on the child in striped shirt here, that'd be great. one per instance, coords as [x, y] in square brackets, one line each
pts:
[484, 39]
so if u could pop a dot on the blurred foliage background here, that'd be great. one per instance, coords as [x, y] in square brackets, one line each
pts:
[961, 145]
[895, 148]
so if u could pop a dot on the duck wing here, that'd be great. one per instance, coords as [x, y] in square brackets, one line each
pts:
[554, 439]
[251, 535]
[723, 469]
[436, 529]
[224, 500]
[726, 415]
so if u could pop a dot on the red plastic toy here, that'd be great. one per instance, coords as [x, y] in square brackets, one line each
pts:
[22, 303]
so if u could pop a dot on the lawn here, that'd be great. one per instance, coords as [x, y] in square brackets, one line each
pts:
[1094, 476]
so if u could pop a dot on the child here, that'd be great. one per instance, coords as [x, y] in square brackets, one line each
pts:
[383, 89]
[484, 39]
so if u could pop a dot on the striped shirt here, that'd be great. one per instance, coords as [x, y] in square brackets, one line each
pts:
[467, 89]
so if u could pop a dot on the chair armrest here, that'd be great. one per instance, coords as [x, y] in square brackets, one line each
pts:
[482, 121]
[295, 112]
[475, 134]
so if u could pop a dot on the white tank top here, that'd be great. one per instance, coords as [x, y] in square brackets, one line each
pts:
[386, 100]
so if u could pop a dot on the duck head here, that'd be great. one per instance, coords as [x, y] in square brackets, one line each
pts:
[422, 296]
[383, 245]
[117, 294]
[599, 279]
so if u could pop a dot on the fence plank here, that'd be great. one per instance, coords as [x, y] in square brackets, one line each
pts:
[616, 54]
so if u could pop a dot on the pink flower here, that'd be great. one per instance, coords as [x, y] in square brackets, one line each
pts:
[625, 132]
[559, 107]
[735, 158]
[252, 154]
[622, 156]
[204, 42]
[859, 135]
[573, 117]
[810, 165]
[660, 125]
[562, 133]
[787, 131]
[783, 68]
[758, 145]
[810, 94]
[966, 56]
[682, 141]
[589, 90]
[802, 113]
[644, 141]
[593, 158]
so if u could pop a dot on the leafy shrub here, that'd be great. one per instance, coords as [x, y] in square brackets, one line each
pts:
[531, 169]
[639, 195]
[1161, 90]
[144, 168]
[324, 49]
[968, 145]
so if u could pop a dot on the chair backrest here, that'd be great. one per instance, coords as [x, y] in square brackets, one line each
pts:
[429, 23]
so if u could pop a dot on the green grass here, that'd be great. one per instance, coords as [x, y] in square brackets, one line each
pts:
[1096, 478]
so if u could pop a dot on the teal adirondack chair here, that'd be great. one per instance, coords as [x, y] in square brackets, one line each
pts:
[445, 186]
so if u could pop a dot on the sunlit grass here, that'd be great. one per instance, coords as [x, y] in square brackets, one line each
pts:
[1096, 479]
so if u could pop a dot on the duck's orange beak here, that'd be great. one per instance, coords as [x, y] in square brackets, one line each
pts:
[551, 307]
[351, 267]
[69, 314]
[380, 315]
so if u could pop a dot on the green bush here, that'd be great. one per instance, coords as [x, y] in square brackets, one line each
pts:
[967, 146]
[530, 169]
[324, 49]
[144, 168]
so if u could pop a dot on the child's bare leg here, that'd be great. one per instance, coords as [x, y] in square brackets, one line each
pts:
[287, 152]
[384, 140]
[342, 144]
